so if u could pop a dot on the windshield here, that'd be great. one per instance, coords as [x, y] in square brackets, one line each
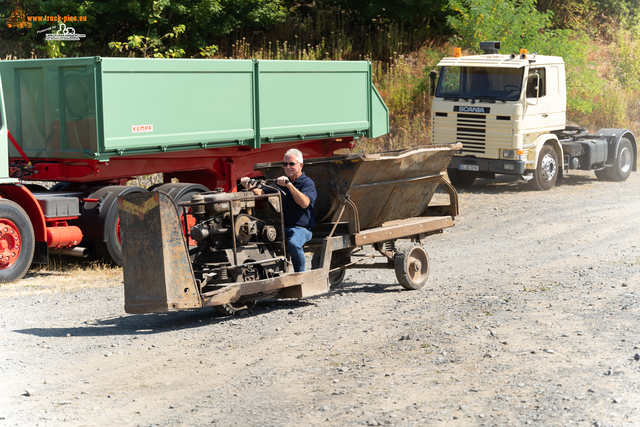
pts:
[486, 83]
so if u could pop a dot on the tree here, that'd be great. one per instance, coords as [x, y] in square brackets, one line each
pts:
[515, 23]
[204, 20]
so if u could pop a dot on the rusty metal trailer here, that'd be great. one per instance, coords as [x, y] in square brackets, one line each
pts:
[238, 253]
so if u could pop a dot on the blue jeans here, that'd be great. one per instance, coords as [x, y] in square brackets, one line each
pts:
[296, 237]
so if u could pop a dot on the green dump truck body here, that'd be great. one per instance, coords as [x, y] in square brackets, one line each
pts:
[127, 106]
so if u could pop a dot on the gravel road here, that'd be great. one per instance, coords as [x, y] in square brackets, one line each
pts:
[531, 317]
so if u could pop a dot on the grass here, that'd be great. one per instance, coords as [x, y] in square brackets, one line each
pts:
[64, 274]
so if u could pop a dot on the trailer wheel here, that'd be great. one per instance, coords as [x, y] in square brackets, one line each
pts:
[110, 250]
[335, 277]
[411, 264]
[623, 163]
[546, 173]
[17, 241]
[461, 178]
[181, 192]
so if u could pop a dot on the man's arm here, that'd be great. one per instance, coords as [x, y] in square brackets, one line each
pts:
[300, 198]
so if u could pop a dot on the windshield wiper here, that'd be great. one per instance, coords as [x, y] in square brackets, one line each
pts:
[448, 98]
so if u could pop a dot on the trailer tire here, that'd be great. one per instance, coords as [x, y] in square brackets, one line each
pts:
[546, 173]
[181, 192]
[460, 178]
[623, 163]
[411, 264]
[110, 250]
[336, 277]
[16, 236]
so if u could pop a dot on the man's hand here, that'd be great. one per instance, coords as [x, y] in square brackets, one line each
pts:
[283, 181]
[245, 181]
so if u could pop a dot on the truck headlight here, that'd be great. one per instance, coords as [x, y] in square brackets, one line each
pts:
[509, 167]
[508, 154]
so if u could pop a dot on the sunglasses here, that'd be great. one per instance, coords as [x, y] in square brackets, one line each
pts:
[290, 164]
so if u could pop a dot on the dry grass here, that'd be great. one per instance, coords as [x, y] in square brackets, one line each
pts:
[64, 274]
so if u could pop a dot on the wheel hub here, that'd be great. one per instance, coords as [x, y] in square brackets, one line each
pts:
[625, 160]
[416, 270]
[548, 167]
[9, 243]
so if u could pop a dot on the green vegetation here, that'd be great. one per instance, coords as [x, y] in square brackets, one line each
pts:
[598, 39]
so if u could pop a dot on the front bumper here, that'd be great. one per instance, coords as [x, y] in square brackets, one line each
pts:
[516, 167]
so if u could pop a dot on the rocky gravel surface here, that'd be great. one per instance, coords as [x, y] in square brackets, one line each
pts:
[531, 317]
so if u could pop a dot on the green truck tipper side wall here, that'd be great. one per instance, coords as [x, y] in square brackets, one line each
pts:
[126, 106]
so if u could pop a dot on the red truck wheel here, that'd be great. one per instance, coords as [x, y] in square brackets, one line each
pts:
[17, 241]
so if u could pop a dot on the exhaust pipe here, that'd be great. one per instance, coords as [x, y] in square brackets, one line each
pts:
[76, 252]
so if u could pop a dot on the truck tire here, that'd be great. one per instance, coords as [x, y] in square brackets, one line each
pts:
[17, 241]
[604, 174]
[623, 163]
[546, 173]
[411, 264]
[460, 178]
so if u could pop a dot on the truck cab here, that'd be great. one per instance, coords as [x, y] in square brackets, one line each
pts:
[509, 113]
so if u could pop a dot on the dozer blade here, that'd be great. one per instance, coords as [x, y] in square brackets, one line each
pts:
[156, 266]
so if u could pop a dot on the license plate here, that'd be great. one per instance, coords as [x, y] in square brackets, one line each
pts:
[475, 168]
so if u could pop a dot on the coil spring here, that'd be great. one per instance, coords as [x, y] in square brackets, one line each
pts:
[389, 247]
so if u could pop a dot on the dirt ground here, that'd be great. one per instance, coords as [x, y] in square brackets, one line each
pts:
[530, 317]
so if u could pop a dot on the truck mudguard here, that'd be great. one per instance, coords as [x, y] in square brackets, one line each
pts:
[613, 148]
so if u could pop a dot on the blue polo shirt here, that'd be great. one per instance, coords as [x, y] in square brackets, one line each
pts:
[294, 215]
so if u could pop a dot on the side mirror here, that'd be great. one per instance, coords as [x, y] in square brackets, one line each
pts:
[533, 89]
[432, 83]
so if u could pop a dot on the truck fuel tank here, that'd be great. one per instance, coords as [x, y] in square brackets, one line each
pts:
[586, 153]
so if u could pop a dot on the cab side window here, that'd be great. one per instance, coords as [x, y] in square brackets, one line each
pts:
[536, 83]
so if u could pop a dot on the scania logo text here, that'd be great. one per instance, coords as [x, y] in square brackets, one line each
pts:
[469, 109]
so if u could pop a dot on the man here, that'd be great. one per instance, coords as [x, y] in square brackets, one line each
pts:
[297, 206]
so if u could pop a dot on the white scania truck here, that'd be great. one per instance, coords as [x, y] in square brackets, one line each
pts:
[509, 113]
